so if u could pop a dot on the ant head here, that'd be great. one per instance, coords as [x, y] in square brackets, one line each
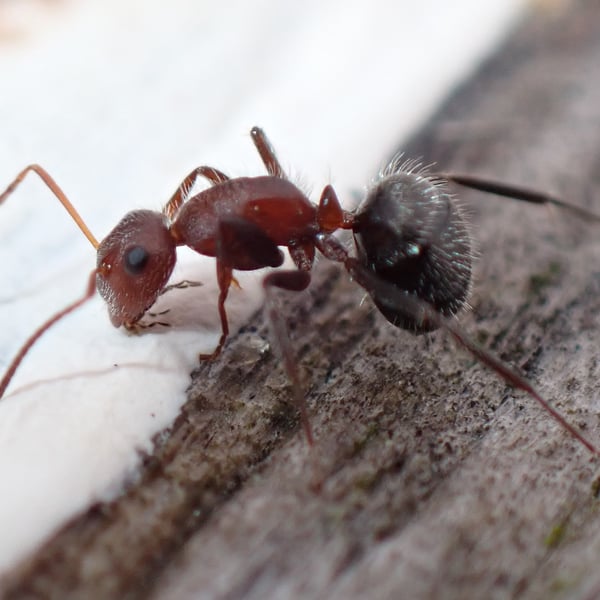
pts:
[134, 263]
[412, 235]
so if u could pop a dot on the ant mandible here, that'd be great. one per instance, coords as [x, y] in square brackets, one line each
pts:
[413, 253]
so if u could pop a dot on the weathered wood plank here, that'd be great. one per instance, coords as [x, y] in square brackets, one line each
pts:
[436, 479]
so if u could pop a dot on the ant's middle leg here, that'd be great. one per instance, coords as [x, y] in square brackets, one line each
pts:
[181, 194]
[267, 154]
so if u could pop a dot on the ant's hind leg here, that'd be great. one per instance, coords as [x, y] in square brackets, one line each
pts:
[181, 194]
[267, 154]
[515, 192]
[420, 312]
[294, 281]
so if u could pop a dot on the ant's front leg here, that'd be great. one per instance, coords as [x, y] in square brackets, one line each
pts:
[240, 245]
[181, 194]
[139, 326]
[180, 285]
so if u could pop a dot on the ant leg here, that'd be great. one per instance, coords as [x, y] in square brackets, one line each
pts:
[181, 285]
[18, 359]
[303, 254]
[55, 189]
[422, 312]
[515, 192]
[294, 281]
[181, 194]
[242, 245]
[140, 325]
[267, 153]
[245, 246]
[224, 278]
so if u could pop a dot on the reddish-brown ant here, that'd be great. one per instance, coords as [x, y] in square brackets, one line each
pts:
[413, 251]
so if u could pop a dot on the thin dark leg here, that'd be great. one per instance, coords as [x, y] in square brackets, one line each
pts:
[141, 325]
[294, 281]
[180, 196]
[267, 154]
[516, 193]
[180, 285]
[422, 311]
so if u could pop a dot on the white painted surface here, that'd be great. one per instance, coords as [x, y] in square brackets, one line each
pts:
[118, 101]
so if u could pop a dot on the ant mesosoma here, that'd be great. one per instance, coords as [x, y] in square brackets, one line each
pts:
[413, 253]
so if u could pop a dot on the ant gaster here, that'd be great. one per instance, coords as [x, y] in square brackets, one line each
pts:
[413, 252]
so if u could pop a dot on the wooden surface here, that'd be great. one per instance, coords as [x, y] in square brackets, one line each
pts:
[430, 477]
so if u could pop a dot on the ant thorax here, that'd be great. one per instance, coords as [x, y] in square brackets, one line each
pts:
[274, 205]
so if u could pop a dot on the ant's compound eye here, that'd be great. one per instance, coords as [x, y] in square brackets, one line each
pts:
[136, 259]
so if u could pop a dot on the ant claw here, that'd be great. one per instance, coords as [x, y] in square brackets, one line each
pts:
[140, 326]
[212, 356]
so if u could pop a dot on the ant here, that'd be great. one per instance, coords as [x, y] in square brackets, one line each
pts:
[413, 251]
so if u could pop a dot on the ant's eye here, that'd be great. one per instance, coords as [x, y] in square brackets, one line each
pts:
[136, 259]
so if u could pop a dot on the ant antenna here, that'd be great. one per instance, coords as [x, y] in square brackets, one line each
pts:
[33, 338]
[55, 189]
